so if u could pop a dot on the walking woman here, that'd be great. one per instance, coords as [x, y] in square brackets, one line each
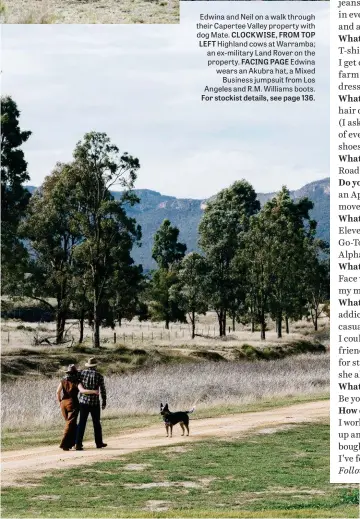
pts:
[67, 395]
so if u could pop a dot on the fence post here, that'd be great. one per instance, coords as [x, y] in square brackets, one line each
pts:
[114, 337]
[8, 337]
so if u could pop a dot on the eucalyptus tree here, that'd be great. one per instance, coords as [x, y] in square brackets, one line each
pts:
[107, 232]
[167, 252]
[275, 253]
[221, 229]
[14, 196]
[190, 291]
[52, 236]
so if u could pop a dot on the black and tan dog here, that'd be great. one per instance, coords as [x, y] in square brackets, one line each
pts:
[171, 419]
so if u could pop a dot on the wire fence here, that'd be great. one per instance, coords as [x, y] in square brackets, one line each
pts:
[163, 335]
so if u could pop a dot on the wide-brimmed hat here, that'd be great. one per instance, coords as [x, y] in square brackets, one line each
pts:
[71, 369]
[91, 363]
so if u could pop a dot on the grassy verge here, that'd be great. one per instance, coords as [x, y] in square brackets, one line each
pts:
[112, 425]
[285, 474]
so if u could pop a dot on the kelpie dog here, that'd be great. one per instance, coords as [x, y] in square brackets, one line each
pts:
[171, 419]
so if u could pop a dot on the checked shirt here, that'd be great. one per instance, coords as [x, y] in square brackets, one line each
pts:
[92, 379]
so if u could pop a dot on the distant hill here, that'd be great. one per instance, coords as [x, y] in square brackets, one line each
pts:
[185, 213]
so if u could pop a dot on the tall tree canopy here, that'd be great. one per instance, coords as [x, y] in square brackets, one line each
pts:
[190, 291]
[274, 255]
[221, 229]
[108, 233]
[167, 250]
[51, 229]
[14, 196]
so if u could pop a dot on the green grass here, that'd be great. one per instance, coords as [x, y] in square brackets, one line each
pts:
[285, 474]
[113, 425]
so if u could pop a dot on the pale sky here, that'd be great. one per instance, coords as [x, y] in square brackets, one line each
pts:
[142, 84]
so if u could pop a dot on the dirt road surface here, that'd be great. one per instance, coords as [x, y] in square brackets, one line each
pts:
[34, 462]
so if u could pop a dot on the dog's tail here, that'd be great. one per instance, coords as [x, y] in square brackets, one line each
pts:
[191, 410]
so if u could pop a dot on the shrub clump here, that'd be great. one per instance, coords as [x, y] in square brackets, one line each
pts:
[208, 355]
[251, 353]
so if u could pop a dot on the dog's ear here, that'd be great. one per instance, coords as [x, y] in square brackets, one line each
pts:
[161, 407]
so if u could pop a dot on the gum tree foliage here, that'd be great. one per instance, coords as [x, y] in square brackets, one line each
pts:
[292, 229]
[108, 234]
[275, 251]
[128, 284]
[221, 229]
[53, 236]
[190, 292]
[14, 196]
[167, 252]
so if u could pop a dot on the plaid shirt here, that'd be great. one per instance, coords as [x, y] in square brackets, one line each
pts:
[92, 379]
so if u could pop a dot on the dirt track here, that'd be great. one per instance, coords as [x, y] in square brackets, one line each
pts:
[33, 462]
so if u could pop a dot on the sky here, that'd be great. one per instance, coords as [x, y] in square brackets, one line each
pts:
[142, 84]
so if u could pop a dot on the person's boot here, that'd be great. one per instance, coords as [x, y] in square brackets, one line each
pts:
[79, 448]
[101, 446]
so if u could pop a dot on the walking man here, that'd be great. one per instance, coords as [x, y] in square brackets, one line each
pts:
[90, 378]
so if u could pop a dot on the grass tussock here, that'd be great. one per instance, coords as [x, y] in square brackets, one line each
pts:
[248, 352]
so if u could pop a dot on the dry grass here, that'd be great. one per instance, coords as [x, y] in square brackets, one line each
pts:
[90, 11]
[206, 385]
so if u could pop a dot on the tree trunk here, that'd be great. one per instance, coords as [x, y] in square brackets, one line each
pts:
[60, 326]
[96, 342]
[193, 325]
[81, 322]
[316, 322]
[167, 324]
[262, 333]
[233, 324]
[220, 319]
[96, 337]
[252, 325]
[287, 324]
[224, 323]
[279, 326]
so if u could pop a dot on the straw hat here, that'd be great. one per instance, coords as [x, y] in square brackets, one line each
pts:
[91, 363]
